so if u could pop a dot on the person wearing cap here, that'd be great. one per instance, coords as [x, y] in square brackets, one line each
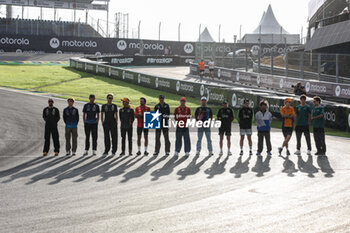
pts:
[164, 109]
[91, 117]
[225, 115]
[51, 116]
[139, 115]
[201, 66]
[263, 119]
[182, 114]
[71, 119]
[245, 118]
[288, 116]
[317, 119]
[204, 114]
[303, 119]
[109, 119]
[126, 116]
[299, 89]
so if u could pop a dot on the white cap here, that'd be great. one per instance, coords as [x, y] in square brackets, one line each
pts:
[204, 98]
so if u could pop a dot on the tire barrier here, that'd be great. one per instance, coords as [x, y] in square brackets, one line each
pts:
[337, 115]
[280, 83]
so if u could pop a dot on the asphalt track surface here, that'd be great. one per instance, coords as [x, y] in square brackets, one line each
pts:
[163, 194]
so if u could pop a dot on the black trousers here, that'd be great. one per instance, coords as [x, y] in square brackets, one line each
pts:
[90, 129]
[299, 130]
[123, 135]
[51, 130]
[320, 140]
[110, 131]
[261, 136]
[166, 139]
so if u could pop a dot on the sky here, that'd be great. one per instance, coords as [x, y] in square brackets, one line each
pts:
[291, 14]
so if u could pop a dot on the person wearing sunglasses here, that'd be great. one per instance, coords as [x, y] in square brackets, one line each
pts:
[51, 116]
[109, 119]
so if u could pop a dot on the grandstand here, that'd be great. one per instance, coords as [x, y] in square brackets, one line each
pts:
[42, 27]
[46, 28]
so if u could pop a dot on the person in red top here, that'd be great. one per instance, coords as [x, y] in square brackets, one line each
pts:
[201, 66]
[182, 113]
[139, 115]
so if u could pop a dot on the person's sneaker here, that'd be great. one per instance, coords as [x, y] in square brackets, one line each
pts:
[176, 153]
[211, 153]
[74, 153]
[187, 154]
[229, 153]
[138, 153]
[45, 153]
[258, 153]
[308, 152]
[56, 153]
[241, 153]
[105, 154]
[288, 153]
[68, 153]
[297, 152]
[269, 153]
[250, 153]
[198, 153]
[317, 153]
[280, 149]
[130, 153]
[86, 153]
[113, 153]
[167, 153]
[155, 154]
[122, 154]
[221, 153]
[93, 152]
[145, 153]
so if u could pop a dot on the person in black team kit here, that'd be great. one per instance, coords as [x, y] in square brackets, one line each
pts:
[126, 116]
[51, 116]
[91, 116]
[225, 115]
[245, 118]
[164, 109]
[109, 119]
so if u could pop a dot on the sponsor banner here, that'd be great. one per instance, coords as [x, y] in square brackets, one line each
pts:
[145, 60]
[95, 45]
[285, 84]
[55, 4]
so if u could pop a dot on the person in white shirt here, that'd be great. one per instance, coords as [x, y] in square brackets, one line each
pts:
[211, 65]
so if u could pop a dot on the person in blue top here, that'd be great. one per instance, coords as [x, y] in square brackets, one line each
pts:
[91, 117]
[71, 119]
[317, 118]
[263, 119]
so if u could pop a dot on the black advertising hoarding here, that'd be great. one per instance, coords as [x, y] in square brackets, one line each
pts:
[92, 45]
[312, 87]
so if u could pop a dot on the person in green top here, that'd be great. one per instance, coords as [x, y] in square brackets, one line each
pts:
[303, 119]
[318, 125]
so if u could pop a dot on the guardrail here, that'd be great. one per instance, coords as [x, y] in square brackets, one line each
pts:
[337, 116]
[297, 74]
[312, 87]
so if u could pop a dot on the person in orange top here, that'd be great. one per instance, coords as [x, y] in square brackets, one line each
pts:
[139, 115]
[288, 116]
[201, 65]
[182, 113]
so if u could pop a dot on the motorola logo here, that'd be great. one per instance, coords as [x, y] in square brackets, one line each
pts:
[54, 43]
[122, 45]
[188, 48]
[201, 90]
[234, 100]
